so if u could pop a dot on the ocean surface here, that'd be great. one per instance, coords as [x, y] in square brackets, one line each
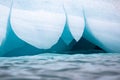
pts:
[53, 66]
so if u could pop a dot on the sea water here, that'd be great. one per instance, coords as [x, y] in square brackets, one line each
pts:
[53, 66]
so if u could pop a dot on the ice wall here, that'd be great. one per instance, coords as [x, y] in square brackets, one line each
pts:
[41, 24]
[29, 26]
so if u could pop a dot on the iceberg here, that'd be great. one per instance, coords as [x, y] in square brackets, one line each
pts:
[31, 27]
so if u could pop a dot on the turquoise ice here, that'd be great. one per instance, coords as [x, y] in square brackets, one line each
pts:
[103, 23]
[28, 26]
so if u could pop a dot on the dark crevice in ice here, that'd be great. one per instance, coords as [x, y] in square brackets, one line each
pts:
[61, 46]
[66, 41]
[86, 47]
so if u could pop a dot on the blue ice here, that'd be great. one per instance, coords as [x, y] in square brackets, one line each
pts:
[40, 24]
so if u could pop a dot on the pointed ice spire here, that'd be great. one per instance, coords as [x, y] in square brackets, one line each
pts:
[66, 35]
[75, 18]
[4, 14]
[6, 29]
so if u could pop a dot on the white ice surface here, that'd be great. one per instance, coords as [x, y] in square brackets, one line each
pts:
[75, 18]
[103, 23]
[41, 28]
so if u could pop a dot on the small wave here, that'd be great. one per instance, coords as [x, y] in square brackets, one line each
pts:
[61, 67]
